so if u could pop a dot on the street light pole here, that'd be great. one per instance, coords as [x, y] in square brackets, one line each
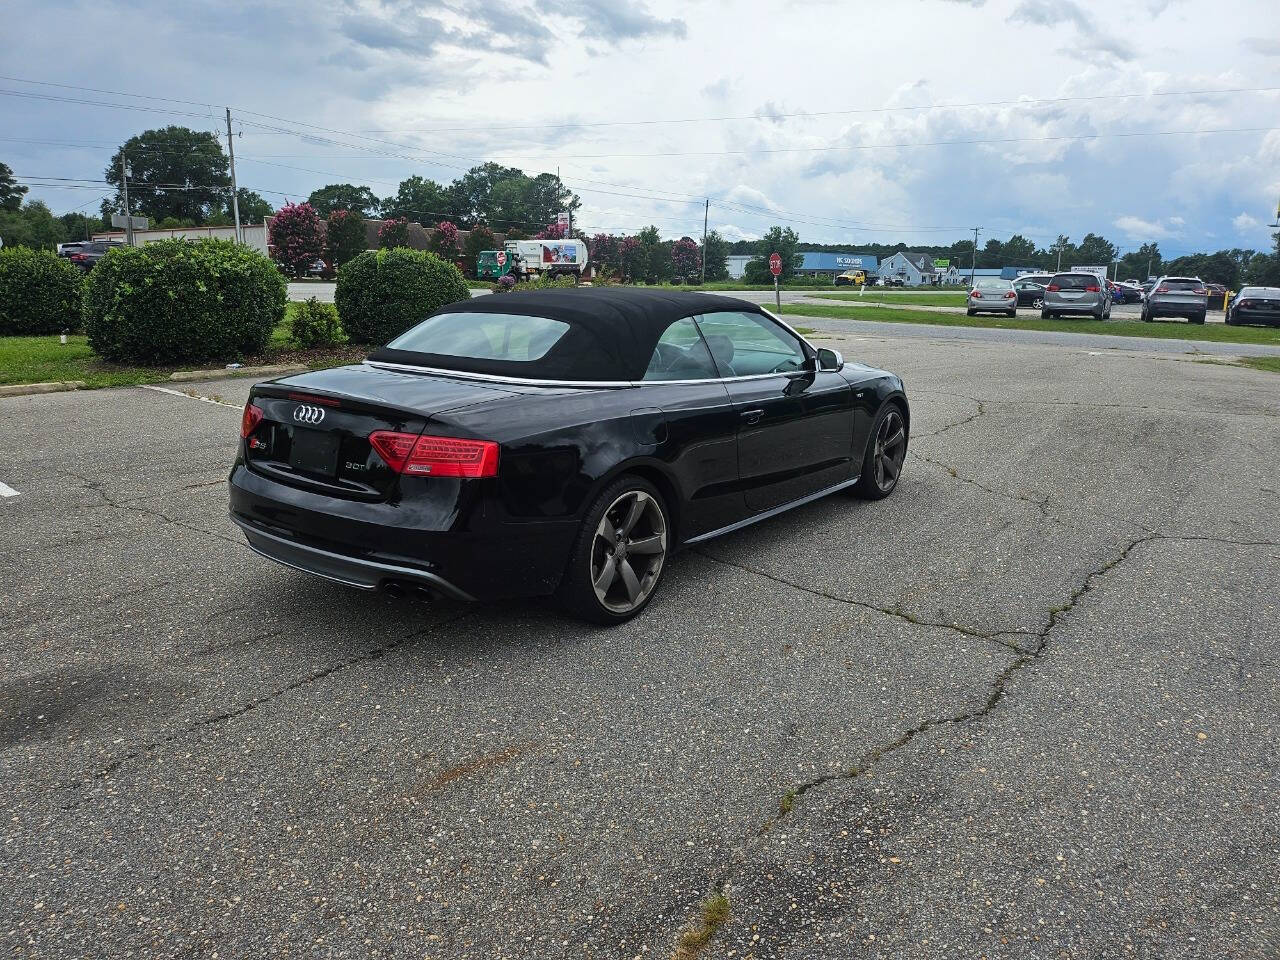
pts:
[706, 212]
[235, 200]
[128, 215]
[973, 267]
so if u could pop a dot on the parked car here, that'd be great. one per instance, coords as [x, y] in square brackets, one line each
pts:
[1256, 305]
[1125, 293]
[1184, 297]
[1076, 293]
[895, 282]
[87, 255]
[558, 443]
[992, 295]
[1030, 290]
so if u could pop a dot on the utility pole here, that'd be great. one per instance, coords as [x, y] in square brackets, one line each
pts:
[706, 212]
[128, 214]
[973, 269]
[235, 200]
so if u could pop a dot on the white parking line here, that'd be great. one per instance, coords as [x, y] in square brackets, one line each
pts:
[8, 491]
[189, 396]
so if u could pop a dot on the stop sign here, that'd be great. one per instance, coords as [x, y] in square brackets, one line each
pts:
[502, 258]
[775, 264]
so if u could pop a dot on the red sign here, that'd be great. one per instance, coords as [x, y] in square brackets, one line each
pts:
[502, 258]
[775, 264]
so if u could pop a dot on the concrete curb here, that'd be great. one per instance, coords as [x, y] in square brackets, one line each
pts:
[222, 373]
[23, 389]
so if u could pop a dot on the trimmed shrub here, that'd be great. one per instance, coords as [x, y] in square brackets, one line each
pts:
[344, 236]
[297, 241]
[175, 301]
[39, 292]
[382, 294]
[315, 324]
[393, 233]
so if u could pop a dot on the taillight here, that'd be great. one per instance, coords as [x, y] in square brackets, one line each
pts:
[1162, 289]
[1010, 295]
[250, 419]
[976, 295]
[78, 256]
[1092, 289]
[1053, 288]
[1247, 304]
[313, 398]
[436, 456]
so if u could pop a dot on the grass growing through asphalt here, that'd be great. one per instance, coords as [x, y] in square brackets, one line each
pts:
[697, 937]
[1172, 330]
[954, 299]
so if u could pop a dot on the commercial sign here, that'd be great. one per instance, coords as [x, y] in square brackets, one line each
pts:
[1099, 272]
[942, 264]
[846, 261]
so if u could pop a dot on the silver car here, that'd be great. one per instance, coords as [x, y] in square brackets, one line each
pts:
[1076, 293]
[1177, 297]
[992, 295]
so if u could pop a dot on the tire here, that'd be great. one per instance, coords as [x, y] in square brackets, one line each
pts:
[886, 453]
[1107, 315]
[1011, 313]
[1146, 315]
[1046, 314]
[599, 550]
[1200, 318]
[1037, 303]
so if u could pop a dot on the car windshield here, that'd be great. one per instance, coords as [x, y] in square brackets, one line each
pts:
[991, 283]
[483, 336]
[1075, 281]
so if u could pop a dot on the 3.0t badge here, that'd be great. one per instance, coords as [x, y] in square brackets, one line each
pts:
[307, 413]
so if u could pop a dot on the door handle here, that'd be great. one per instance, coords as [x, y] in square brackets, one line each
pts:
[752, 416]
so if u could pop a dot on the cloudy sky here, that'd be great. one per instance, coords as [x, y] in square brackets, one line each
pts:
[850, 121]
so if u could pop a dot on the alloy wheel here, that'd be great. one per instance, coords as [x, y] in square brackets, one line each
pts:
[1038, 303]
[890, 451]
[627, 551]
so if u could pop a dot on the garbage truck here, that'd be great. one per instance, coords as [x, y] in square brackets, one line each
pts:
[528, 259]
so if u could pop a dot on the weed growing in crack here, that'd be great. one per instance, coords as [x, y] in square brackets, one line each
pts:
[787, 802]
[713, 915]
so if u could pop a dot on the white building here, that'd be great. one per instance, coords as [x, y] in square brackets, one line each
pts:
[737, 264]
[255, 235]
[915, 269]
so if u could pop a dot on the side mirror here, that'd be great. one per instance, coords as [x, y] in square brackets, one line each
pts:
[830, 359]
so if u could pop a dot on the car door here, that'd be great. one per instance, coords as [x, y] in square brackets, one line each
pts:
[795, 422]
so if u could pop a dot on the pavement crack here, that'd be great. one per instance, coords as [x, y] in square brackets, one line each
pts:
[320, 673]
[996, 637]
[131, 506]
[981, 411]
[1041, 503]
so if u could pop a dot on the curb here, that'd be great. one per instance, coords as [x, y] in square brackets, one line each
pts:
[223, 373]
[23, 389]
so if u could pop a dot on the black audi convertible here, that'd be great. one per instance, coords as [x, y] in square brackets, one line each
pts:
[557, 443]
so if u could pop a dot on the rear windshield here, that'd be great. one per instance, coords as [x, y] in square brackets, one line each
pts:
[483, 336]
[1075, 281]
[1175, 283]
[991, 283]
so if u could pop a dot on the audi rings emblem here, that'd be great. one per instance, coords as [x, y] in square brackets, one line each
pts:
[306, 413]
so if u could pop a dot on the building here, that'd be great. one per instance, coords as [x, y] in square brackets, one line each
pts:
[737, 264]
[254, 234]
[814, 263]
[914, 269]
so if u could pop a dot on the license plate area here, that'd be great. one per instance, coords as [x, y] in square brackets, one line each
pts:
[314, 452]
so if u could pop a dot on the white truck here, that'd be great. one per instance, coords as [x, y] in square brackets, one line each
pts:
[551, 258]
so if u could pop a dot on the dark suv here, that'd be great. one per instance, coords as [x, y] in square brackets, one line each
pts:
[87, 255]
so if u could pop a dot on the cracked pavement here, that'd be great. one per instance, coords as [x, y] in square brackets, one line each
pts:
[1025, 707]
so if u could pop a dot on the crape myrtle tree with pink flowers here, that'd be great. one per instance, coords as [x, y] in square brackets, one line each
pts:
[296, 238]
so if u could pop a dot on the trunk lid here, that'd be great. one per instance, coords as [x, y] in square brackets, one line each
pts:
[315, 427]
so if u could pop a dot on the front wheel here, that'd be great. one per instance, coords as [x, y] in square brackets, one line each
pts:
[619, 555]
[882, 463]
[1037, 303]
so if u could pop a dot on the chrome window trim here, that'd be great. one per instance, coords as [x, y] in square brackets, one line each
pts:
[572, 384]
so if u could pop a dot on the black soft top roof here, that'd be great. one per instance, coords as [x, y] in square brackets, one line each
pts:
[612, 331]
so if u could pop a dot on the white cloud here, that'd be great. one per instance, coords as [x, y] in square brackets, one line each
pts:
[1245, 223]
[1136, 228]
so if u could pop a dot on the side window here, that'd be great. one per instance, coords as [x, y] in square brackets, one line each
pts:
[745, 344]
[681, 354]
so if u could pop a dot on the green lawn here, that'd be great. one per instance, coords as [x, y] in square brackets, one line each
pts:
[1170, 330]
[1270, 364]
[954, 299]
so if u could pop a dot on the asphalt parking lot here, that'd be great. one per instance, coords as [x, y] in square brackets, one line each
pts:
[1026, 707]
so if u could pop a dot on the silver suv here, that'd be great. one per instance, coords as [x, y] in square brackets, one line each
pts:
[1078, 293]
[1177, 297]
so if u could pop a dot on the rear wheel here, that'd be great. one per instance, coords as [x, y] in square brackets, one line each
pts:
[970, 313]
[1199, 318]
[1046, 314]
[1011, 313]
[619, 555]
[1037, 303]
[882, 464]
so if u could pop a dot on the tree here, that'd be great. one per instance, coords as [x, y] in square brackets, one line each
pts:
[1019, 252]
[78, 226]
[505, 196]
[11, 192]
[604, 251]
[344, 196]
[344, 236]
[629, 257]
[716, 255]
[479, 238]
[296, 240]
[393, 233]
[31, 226]
[173, 172]
[1264, 269]
[1062, 252]
[253, 208]
[782, 241]
[444, 241]
[419, 200]
[552, 231]
[1141, 263]
[1094, 251]
[652, 259]
[686, 260]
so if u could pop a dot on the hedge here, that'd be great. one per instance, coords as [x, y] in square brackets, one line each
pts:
[175, 301]
[382, 293]
[315, 324]
[39, 292]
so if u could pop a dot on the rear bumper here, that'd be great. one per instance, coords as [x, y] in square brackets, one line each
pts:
[992, 306]
[1267, 318]
[470, 551]
[1158, 308]
[1092, 305]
